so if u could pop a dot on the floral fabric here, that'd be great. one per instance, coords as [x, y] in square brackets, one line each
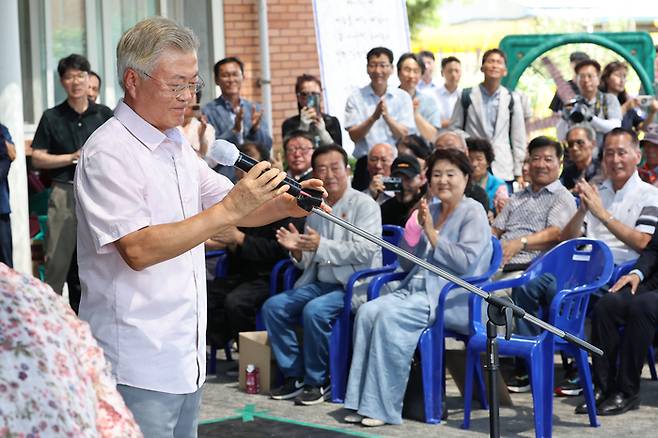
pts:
[54, 380]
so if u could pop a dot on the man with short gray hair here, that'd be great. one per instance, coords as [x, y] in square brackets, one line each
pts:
[581, 141]
[145, 205]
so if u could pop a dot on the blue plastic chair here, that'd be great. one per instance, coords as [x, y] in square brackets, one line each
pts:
[221, 271]
[431, 344]
[580, 267]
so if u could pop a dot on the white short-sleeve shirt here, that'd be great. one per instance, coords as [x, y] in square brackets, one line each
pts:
[635, 205]
[152, 323]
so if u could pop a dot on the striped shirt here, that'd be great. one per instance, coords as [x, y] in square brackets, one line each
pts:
[635, 205]
[529, 212]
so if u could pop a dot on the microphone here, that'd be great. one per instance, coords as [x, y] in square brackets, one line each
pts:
[226, 154]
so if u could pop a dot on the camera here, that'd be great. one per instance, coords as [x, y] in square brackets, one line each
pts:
[644, 100]
[577, 110]
[313, 101]
[392, 184]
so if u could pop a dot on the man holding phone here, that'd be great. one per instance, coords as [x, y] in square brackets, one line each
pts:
[323, 128]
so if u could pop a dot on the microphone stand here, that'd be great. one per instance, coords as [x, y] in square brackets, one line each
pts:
[500, 311]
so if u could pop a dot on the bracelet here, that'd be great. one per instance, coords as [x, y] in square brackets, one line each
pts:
[606, 221]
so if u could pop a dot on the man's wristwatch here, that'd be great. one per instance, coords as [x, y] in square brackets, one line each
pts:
[524, 243]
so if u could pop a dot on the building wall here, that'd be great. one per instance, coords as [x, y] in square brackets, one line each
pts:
[292, 50]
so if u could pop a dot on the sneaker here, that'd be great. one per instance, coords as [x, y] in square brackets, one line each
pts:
[372, 422]
[313, 395]
[569, 387]
[519, 384]
[353, 418]
[291, 388]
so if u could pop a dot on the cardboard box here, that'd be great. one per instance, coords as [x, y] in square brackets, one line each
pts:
[255, 349]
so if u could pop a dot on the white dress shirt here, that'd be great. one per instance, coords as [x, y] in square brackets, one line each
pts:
[447, 100]
[151, 324]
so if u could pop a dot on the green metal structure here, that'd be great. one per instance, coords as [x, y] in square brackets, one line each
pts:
[635, 47]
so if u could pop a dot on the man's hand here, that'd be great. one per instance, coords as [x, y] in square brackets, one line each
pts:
[310, 241]
[589, 195]
[384, 108]
[290, 239]
[75, 156]
[416, 103]
[230, 236]
[510, 249]
[256, 117]
[376, 186]
[288, 204]
[379, 109]
[237, 126]
[257, 187]
[632, 279]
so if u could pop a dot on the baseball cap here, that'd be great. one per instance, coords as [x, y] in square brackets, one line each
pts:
[650, 135]
[576, 57]
[405, 165]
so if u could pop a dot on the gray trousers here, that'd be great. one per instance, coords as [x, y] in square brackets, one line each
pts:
[163, 415]
[60, 235]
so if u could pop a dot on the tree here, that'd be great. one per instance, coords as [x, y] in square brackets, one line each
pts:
[421, 12]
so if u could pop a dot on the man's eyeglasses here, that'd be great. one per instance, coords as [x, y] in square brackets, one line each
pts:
[178, 90]
[305, 94]
[576, 143]
[83, 75]
[299, 149]
[383, 65]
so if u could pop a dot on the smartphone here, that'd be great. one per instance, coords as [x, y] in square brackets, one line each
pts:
[313, 101]
[645, 100]
[392, 184]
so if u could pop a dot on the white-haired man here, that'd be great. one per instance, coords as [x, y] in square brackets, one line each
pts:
[145, 205]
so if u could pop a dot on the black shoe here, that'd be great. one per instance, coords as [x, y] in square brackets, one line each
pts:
[599, 398]
[291, 388]
[618, 404]
[313, 395]
[519, 384]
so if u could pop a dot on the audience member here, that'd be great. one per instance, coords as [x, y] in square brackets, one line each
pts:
[649, 170]
[426, 111]
[328, 255]
[197, 131]
[252, 252]
[55, 380]
[298, 148]
[631, 303]
[7, 155]
[427, 79]
[145, 205]
[94, 86]
[452, 140]
[60, 134]
[582, 163]
[377, 113]
[234, 118]
[613, 81]
[322, 128]
[556, 104]
[495, 113]
[449, 93]
[380, 158]
[447, 234]
[395, 211]
[416, 146]
[621, 212]
[601, 110]
[532, 219]
[481, 155]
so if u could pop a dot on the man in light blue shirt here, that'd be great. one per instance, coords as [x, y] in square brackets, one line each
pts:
[377, 113]
[236, 119]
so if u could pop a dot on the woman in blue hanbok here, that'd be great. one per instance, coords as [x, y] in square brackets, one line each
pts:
[452, 234]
